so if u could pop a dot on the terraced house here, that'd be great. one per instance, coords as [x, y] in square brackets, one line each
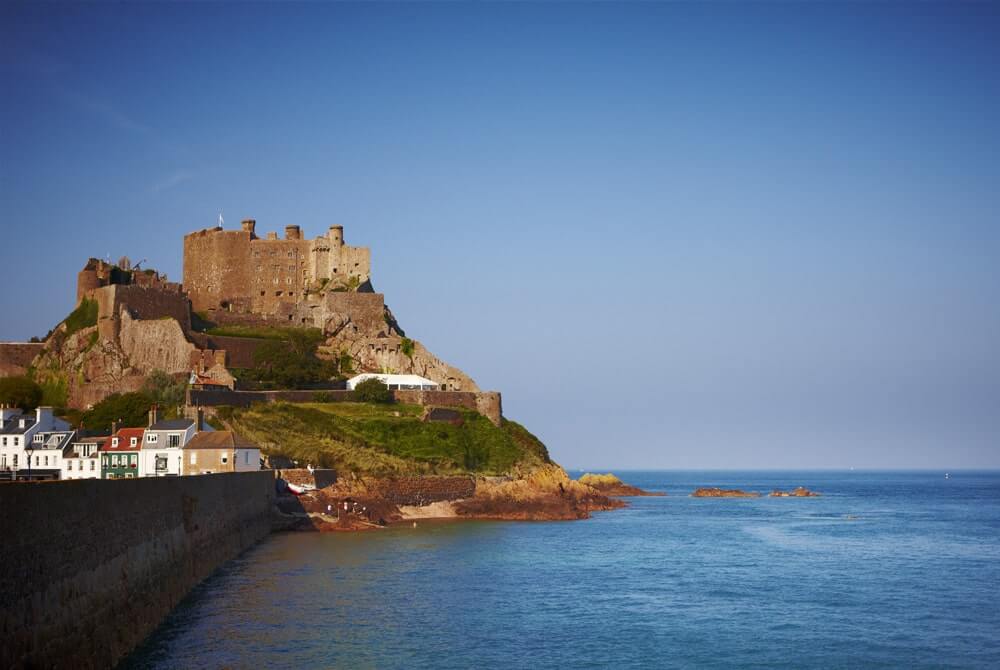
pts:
[161, 445]
[120, 454]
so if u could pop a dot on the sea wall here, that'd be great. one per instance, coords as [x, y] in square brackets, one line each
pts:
[91, 567]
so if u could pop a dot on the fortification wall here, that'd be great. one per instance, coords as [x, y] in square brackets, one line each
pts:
[239, 351]
[91, 566]
[487, 403]
[15, 357]
[217, 268]
[142, 302]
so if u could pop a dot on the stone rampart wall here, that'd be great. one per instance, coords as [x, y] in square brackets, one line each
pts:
[90, 567]
[15, 357]
[239, 350]
[487, 403]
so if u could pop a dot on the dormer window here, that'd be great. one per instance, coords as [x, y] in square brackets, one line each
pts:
[114, 441]
[151, 438]
[39, 437]
[133, 441]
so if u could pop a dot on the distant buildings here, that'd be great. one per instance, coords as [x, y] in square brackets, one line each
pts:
[48, 448]
[395, 382]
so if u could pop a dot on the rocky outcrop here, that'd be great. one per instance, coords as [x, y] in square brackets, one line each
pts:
[798, 492]
[610, 485]
[152, 345]
[723, 493]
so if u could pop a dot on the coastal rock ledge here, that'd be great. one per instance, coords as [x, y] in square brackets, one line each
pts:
[610, 485]
[715, 492]
[798, 492]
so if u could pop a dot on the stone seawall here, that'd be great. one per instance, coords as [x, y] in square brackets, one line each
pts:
[91, 567]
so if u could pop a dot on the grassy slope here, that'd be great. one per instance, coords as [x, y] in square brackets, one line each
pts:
[370, 439]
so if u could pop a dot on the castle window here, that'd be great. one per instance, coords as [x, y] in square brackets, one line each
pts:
[275, 280]
[277, 293]
[260, 268]
[273, 253]
[291, 268]
[262, 293]
[291, 255]
[289, 317]
[288, 280]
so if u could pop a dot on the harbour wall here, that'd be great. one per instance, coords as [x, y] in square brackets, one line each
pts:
[90, 567]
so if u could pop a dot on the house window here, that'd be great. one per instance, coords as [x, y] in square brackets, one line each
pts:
[15, 460]
[194, 458]
[39, 437]
[92, 466]
[151, 438]
[225, 458]
[5, 441]
[46, 460]
[174, 440]
[132, 459]
[246, 457]
[114, 459]
[161, 463]
[69, 465]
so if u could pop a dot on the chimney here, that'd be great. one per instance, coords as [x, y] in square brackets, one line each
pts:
[200, 426]
[293, 233]
[43, 418]
[249, 225]
[152, 415]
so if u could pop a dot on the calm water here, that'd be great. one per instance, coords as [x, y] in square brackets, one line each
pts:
[912, 581]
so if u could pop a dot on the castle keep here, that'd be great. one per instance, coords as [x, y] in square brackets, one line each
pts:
[235, 271]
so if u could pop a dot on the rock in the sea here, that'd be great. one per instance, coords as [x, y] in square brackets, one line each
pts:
[714, 492]
[610, 485]
[799, 492]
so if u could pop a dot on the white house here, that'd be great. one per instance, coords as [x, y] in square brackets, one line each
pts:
[81, 458]
[17, 431]
[162, 442]
[395, 382]
[46, 451]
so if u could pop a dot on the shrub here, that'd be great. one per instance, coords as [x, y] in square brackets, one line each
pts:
[322, 396]
[292, 361]
[372, 389]
[406, 346]
[20, 392]
[164, 389]
[84, 316]
[129, 409]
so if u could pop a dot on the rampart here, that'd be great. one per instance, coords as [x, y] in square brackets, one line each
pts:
[239, 351]
[90, 567]
[487, 403]
[16, 357]
[142, 302]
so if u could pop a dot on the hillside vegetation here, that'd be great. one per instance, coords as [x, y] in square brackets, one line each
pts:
[386, 440]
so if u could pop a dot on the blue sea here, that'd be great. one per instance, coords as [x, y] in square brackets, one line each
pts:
[886, 569]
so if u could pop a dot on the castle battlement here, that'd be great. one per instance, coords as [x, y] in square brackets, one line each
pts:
[237, 271]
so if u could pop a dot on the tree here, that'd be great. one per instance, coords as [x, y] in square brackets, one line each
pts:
[292, 361]
[20, 392]
[372, 389]
[164, 389]
[128, 409]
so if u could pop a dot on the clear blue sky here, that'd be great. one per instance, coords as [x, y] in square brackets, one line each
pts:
[674, 235]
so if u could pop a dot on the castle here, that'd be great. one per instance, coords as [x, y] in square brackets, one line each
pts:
[237, 272]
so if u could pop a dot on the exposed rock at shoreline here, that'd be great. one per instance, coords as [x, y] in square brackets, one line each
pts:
[798, 492]
[544, 494]
[714, 492]
[610, 485]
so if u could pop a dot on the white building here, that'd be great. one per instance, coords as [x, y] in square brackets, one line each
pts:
[81, 458]
[395, 382]
[17, 431]
[162, 442]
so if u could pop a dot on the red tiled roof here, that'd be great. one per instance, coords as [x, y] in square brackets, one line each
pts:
[125, 436]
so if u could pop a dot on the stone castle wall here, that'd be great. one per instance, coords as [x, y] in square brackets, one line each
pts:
[142, 302]
[16, 357]
[86, 576]
[487, 403]
[235, 271]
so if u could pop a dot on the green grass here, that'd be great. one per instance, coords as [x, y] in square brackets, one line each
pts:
[370, 439]
[257, 332]
[84, 316]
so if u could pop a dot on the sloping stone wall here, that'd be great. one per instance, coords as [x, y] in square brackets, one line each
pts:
[91, 567]
[15, 357]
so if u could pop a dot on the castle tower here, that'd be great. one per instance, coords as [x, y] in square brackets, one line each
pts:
[249, 225]
[336, 236]
[293, 233]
